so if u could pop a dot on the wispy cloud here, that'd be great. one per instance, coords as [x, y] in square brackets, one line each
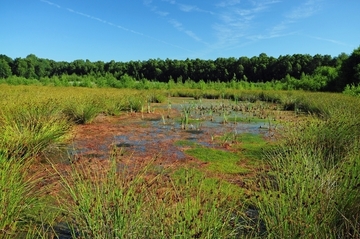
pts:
[307, 9]
[170, 1]
[329, 40]
[51, 3]
[237, 20]
[104, 21]
[175, 23]
[280, 29]
[187, 8]
[228, 3]
[114, 25]
[179, 26]
[148, 3]
[304, 10]
[192, 8]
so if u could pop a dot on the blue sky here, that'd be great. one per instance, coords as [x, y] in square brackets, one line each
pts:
[124, 30]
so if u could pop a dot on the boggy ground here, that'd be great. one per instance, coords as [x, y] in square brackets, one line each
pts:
[138, 138]
[157, 137]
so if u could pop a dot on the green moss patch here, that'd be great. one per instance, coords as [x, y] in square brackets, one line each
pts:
[197, 179]
[185, 143]
[247, 120]
[219, 160]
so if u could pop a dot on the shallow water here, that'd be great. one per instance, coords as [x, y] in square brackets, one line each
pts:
[142, 135]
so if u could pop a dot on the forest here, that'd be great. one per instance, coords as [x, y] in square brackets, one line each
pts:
[289, 72]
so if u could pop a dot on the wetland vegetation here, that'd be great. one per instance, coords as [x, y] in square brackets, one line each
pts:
[263, 172]
[221, 159]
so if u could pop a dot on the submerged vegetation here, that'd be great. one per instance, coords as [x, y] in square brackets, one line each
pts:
[300, 182]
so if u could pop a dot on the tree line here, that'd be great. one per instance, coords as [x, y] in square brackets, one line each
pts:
[318, 72]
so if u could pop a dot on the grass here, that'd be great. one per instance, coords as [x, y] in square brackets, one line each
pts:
[289, 206]
[82, 110]
[219, 160]
[103, 205]
[34, 120]
[140, 204]
[253, 146]
[246, 148]
[319, 156]
[198, 179]
[310, 187]
[30, 128]
[185, 143]
[25, 210]
[216, 200]
[248, 145]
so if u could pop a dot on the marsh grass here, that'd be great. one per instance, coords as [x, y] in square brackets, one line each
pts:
[29, 128]
[185, 115]
[25, 211]
[243, 119]
[186, 143]
[137, 203]
[203, 206]
[310, 189]
[313, 188]
[32, 120]
[298, 202]
[82, 110]
[305, 199]
[103, 205]
[113, 104]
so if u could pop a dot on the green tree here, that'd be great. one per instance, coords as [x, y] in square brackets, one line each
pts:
[350, 71]
[20, 67]
[42, 68]
[100, 68]
[5, 70]
[32, 62]
[326, 76]
[340, 59]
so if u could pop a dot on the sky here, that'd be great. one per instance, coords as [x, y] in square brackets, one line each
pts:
[132, 30]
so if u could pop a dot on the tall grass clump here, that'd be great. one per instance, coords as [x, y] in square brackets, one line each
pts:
[128, 202]
[197, 207]
[24, 209]
[28, 128]
[82, 109]
[114, 104]
[103, 205]
[312, 188]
